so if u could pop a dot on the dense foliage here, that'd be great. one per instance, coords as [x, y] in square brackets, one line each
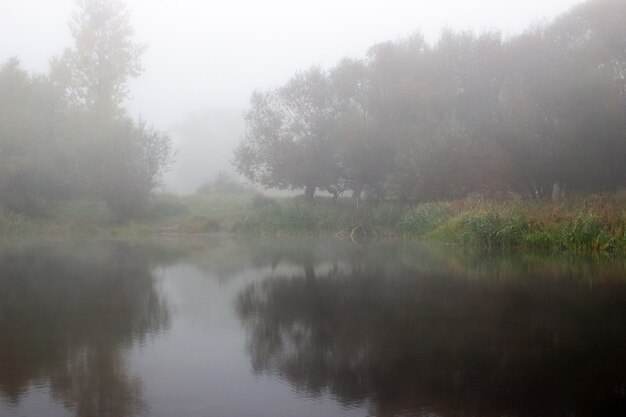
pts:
[535, 114]
[66, 134]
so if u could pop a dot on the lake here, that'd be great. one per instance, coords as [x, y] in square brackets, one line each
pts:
[235, 327]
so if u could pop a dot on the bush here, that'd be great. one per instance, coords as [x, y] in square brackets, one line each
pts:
[512, 232]
[423, 218]
[260, 201]
[166, 206]
[128, 161]
[586, 232]
[268, 216]
[493, 229]
[541, 239]
[387, 214]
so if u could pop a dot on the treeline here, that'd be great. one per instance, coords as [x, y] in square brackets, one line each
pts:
[535, 114]
[66, 134]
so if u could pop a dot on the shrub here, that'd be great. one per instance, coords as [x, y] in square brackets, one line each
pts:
[166, 206]
[271, 217]
[423, 218]
[493, 229]
[387, 214]
[581, 232]
[541, 239]
[260, 201]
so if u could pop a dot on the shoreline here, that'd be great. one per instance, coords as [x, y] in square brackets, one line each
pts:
[586, 224]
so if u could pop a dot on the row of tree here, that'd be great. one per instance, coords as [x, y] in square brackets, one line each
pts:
[470, 113]
[66, 134]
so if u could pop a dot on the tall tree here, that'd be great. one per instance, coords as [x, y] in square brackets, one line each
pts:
[290, 143]
[469, 113]
[366, 156]
[94, 73]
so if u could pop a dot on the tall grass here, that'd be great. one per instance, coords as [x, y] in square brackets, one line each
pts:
[423, 218]
[295, 217]
[594, 223]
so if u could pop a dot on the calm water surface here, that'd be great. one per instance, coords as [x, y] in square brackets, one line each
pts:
[233, 328]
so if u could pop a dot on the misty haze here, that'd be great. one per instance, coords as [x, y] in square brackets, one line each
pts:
[331, 208]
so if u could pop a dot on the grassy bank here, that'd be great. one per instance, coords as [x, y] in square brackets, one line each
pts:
[584, 224]
[592, 223]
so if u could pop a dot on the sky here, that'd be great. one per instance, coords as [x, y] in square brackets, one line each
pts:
[205, 54]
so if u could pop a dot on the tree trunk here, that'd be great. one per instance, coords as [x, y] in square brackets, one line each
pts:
[309, 193]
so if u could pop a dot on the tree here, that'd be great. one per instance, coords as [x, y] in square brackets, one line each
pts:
[593, 36]
[33, 152]
[469, 113]
[366, 157]
[289, 142]
[563, 119]
[435, 106]
[128, 160]
[94, 74]
[66, 134]
[122, 161]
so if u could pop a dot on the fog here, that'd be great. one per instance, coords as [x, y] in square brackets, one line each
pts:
[331, 165]
[204, 59]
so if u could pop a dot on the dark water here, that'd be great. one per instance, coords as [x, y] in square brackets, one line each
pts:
[233, 328]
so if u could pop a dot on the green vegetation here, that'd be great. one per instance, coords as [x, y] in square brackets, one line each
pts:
[595, 223]
[410, 131]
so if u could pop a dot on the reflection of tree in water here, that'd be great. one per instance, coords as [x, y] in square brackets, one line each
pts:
[414, 343]
[67, 318]
[225, 258]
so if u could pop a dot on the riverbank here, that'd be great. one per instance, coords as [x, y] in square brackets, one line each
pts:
[594, 223]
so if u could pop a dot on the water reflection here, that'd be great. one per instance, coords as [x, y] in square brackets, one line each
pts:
[68, 316]
[389, 330]
[417, 331]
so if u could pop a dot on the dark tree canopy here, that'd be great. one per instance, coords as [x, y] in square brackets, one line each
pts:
[290, 140]
[469, 113]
